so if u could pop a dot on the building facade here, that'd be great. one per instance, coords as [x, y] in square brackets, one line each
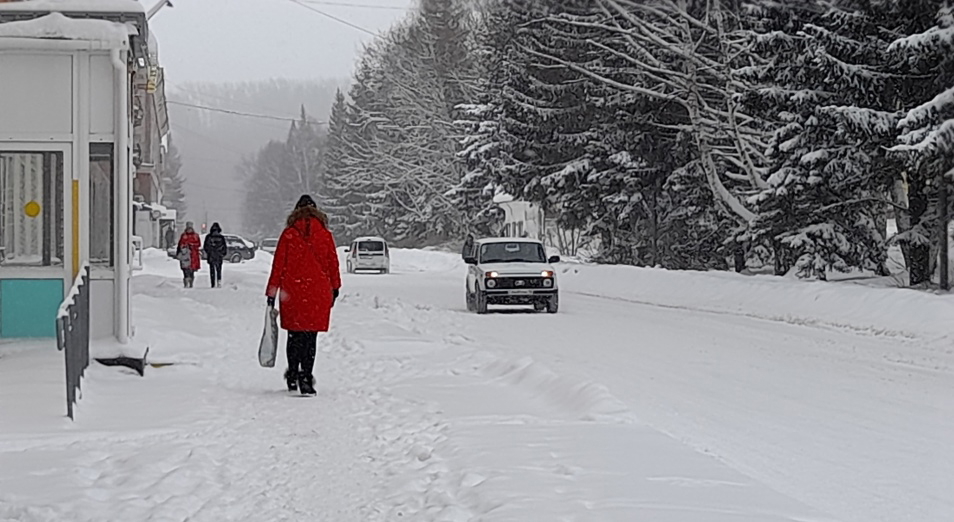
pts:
[67, 83]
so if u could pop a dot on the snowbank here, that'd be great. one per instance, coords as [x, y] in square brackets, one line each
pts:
[584, 400]
[884, 311]
[408, 260]
[888, 311]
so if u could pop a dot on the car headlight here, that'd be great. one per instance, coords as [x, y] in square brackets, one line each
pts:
[491, 275]
[548, 283]
[491, 283]
[547, 273]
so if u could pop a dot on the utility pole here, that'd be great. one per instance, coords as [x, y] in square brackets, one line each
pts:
[942, 215]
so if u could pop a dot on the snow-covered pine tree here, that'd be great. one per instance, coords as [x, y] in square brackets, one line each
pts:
[836, 94]
[334, 194]
[268, 176]
[355, 183]
[927, 131]
[529, 130]
[305, 144]
[686, 57]
[173, 193]
[399, 161]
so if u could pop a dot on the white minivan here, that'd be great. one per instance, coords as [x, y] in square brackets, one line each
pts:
[369, 254]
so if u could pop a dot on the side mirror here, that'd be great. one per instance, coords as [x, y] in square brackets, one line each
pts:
[347, 251]
[554, 259]
[470, 260]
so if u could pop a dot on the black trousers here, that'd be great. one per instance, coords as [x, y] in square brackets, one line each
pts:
[215, 271]
[301, 351]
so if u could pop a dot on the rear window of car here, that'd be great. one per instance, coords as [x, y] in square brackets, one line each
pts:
[371, 246]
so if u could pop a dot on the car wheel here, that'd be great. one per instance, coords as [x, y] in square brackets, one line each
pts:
[553, 304]
[480, 302]
[235, 258]
[469, 299]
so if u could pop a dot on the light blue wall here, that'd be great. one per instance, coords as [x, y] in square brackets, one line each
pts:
[28, 307]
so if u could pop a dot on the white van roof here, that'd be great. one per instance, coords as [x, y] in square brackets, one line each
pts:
[370, 238]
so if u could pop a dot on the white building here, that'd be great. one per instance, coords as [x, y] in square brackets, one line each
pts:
[521, 218]
[66, 169]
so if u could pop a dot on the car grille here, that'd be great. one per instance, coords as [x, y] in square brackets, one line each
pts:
[519, 282]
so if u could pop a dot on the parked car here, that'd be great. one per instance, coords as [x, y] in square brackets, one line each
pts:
[239, 248]
[268, 245]
[368, 253]
[510, 271]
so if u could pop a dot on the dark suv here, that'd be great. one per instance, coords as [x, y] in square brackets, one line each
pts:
[238, 248]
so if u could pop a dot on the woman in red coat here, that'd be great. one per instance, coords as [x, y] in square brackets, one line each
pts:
[188, 243]
[305, 277]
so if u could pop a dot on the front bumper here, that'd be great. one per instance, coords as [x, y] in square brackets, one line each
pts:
[520, 296]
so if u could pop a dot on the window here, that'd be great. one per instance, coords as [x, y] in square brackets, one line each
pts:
[371, 246]
[515, 252]
[31, 208]
[101, 204]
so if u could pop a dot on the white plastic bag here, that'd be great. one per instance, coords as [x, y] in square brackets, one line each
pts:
[268, 347]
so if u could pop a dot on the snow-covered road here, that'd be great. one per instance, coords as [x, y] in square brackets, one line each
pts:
[651, 396]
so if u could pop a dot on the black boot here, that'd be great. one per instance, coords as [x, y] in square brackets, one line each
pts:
[291, 380]
[306, 383]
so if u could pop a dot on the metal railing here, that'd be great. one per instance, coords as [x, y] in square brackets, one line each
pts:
[72, 335]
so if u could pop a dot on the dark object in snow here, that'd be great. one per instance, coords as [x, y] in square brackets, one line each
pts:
[129, 362]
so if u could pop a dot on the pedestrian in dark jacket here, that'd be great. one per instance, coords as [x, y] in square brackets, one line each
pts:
[305, 276]
[188, 254]
[215, 252]
[170, 237]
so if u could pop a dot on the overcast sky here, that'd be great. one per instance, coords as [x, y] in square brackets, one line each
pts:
[236, 40]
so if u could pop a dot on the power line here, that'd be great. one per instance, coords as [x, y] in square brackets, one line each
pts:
[333, 17]
[202, 94]
[287, 119]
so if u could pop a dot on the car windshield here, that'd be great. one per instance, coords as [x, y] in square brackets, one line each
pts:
[371, 246]
[515, 252]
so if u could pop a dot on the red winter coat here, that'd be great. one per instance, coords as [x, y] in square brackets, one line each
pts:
[304, 273]
[191, 241]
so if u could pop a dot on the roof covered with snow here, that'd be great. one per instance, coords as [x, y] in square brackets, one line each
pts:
[73, 6]
[502, 197]
[370, 238]
[59, 27]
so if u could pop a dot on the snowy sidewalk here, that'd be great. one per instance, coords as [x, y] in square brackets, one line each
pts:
[32, 388]
[413, 421]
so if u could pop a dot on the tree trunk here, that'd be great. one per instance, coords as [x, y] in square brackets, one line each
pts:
[739, 257]
[943, 273]
[918, 257]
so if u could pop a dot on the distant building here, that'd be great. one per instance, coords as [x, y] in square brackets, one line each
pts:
[521, 218]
